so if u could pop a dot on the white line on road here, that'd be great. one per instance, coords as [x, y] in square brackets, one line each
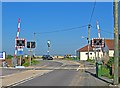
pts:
[78, 68]
[26, 79]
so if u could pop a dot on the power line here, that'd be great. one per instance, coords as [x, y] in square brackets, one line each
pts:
[69, 29]
[92, 11]
[107, 32]
[104, 31]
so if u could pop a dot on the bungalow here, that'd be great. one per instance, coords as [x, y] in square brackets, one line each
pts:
[108, 50]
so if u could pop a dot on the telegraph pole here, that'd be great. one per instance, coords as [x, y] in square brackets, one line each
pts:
[30, 54]
[88, 39]
[34, 41]
[116, 48]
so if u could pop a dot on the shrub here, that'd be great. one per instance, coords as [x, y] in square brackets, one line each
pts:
[26, 64]
[110, 62]
[9, 56]
[90, 60]
[106, 72]
[34, 62]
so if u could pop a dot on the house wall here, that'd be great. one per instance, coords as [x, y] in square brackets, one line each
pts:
[78, 54]
[84, 55]
[111, 53]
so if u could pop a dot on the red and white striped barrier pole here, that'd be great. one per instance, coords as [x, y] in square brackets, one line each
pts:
[18, 33]
[98, 27]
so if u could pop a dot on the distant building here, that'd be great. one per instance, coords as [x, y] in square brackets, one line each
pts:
[82, 53]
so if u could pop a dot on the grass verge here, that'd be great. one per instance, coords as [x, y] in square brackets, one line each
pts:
[33, 62]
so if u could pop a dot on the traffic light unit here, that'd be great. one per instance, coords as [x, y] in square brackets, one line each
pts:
[20, 43]
[98, 42]
[31, 44]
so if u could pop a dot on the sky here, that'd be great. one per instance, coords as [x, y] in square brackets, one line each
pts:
[42, 17]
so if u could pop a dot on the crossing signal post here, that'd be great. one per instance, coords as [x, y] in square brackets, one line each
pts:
[20, 44]
[97, 43]
[31, 45]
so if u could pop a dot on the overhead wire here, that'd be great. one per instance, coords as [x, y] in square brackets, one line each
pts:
[68, 29]
[71, 28]
[92, 12]
[104, 31]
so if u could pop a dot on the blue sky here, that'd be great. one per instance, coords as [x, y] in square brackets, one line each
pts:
[50, 16]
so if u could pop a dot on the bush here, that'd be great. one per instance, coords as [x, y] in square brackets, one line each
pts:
[68, 58]
[106, 72]
[110, 62]
[9, 56]
[91, 60]
[26, 64]
[34, 62]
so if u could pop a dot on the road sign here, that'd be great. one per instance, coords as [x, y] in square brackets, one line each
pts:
[98, 43]
[20, 51]
[2, 55]
[31, 44]
[20, 43]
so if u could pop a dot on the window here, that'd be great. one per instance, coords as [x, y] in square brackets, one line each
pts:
[86, 53]
[90, 53]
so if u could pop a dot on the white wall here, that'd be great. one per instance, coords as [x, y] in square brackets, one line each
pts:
[84, 56]
[111, 53]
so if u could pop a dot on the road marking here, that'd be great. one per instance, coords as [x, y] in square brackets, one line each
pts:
[26, 79]
[12, 74]
[78, 68]
[19, 72]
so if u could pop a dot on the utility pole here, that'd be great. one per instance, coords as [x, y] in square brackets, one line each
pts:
[34, 41]
[116, 48]
[95, 56]
[88, 39]
[20, 60]
[30, 54]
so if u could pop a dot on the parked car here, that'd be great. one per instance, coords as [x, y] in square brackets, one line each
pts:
[47, 57]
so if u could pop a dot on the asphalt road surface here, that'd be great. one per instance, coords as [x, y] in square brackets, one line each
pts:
[9, 71]
[65, 77]
[43, 64]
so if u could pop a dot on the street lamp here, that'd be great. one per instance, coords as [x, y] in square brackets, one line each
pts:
[34, 41]
[48, 44]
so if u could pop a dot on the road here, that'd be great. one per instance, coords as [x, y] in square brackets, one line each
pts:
[65, 78]
[43, 64]
[66, 74]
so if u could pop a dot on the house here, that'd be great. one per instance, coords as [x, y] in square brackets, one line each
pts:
[82, 53]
